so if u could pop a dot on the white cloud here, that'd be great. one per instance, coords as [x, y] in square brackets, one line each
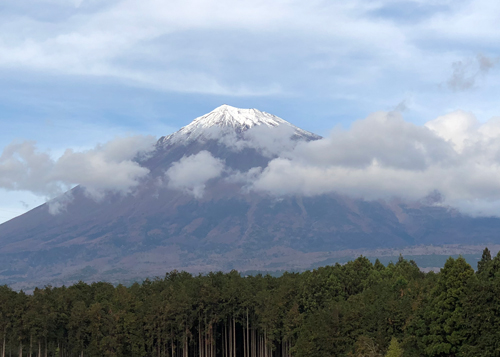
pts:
[458, 127]
[269, 141]
[184, 45]
[382, 137]
[191, 173]
[383, 156]
[351, 57]
[108, 167]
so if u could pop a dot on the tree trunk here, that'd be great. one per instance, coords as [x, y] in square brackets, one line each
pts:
[252, 342]
[214, 344]
[3, 345]
[158, 342]
[244, 344]
[20, 349]
[247, 345]
[265, 343]
[186, 349]
[230, 342]
[199, 339]
[224, 349]
[234, 336]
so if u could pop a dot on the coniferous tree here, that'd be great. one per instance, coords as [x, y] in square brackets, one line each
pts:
[483, 264]
[394, 349]
[444, 315]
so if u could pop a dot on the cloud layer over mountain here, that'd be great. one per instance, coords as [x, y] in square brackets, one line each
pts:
[383, 156]
[451, 160]
[108, 167]
[191, 173]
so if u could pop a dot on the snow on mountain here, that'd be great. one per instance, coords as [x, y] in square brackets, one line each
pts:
[226, 120]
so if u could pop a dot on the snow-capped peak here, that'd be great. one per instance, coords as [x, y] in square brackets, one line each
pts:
[226, 115]
[230, 120]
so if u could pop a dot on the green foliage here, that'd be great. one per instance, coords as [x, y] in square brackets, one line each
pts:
[394, 349]
[484, 263]
[441, 326]
[356, 309]
[365, 347]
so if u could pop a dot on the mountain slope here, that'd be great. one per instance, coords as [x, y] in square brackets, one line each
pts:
[158, 228]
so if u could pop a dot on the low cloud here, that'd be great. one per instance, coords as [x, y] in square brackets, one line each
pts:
[466, 73]
[454, 159]
[60, 203]
[107, 167]
[269, 141]
[191, 173]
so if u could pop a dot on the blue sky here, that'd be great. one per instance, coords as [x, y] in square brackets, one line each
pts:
[78, 73]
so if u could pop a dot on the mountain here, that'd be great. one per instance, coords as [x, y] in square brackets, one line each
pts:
[216, 224]
[230, 120]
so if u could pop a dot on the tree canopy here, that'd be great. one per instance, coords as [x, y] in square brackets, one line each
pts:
[356, 309]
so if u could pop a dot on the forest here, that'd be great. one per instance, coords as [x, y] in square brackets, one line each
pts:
[355, 309]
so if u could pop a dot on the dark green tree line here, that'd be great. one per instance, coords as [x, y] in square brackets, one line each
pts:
[356, 309]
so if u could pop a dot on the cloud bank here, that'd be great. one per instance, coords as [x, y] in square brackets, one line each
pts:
[107, 167]
[454, 157]
[269, 141]
[191, 173]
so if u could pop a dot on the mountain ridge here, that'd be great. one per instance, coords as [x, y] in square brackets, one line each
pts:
[159, 228]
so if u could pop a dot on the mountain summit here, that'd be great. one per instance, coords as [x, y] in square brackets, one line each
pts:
[226, 115]
[226, 120]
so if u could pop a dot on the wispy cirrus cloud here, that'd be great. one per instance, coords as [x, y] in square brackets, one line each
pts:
[189, 46]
